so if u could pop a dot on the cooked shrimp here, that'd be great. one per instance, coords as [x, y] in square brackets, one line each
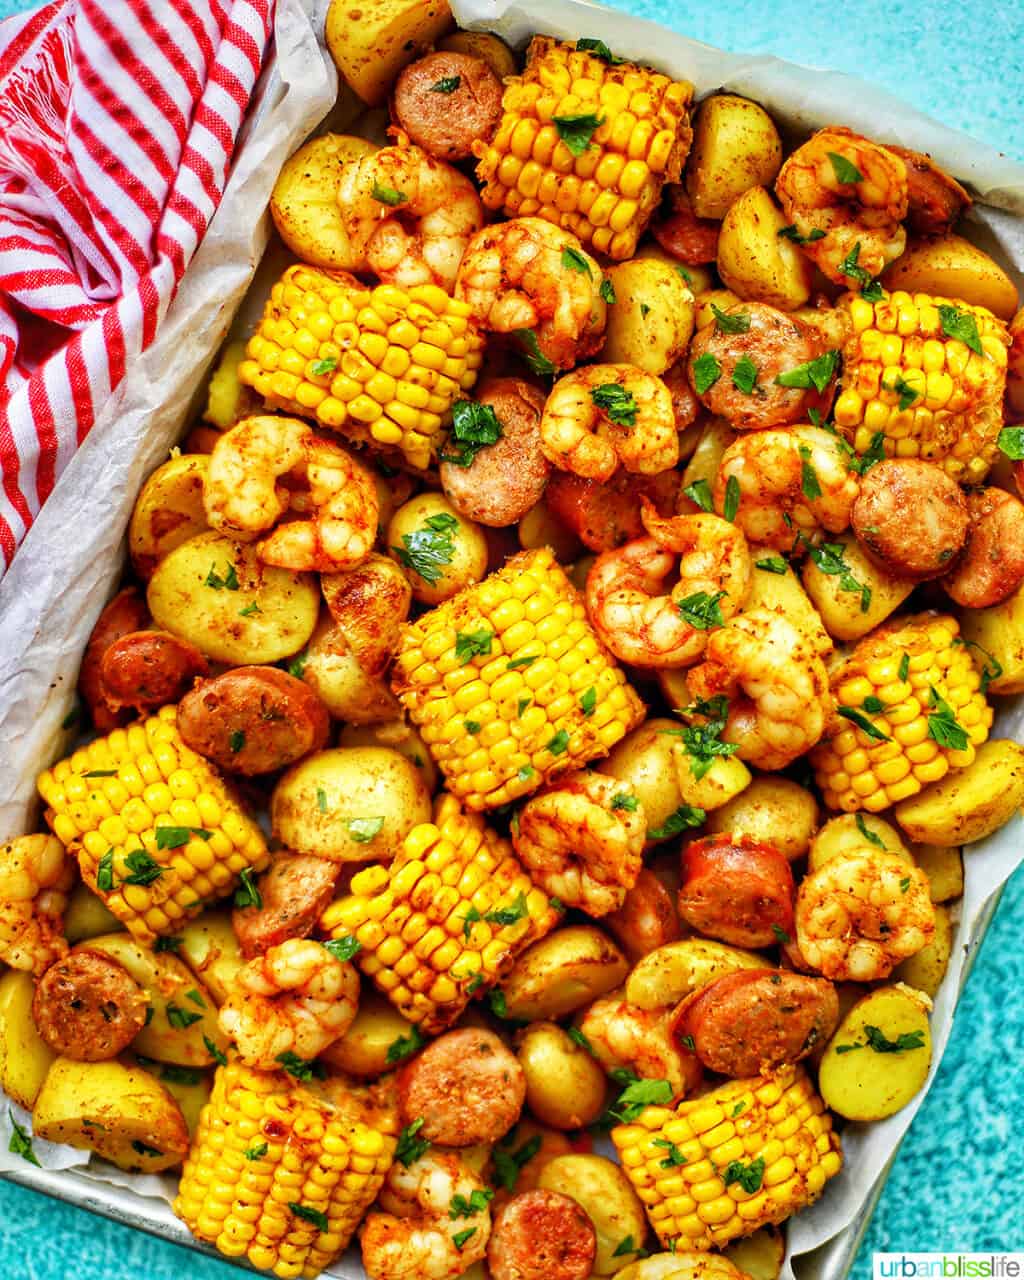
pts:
[772, 343]
[294, 999]
[859, 915]
[524, 274]
[577, 845]
[668, 630]
[408, 216]
[243, 497]
[789, 481]
[624, 1036]
[854, 191]
[411, 1234]
[605, 414]
[35, 878]
[778, 689]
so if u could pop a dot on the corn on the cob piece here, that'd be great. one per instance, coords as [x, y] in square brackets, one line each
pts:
[888, 683]
[282, 1173]
[509, 685]
[445, 919]
[607, 193]
[902, 352]
[755, 1151]
[382, 366]
[156, 832]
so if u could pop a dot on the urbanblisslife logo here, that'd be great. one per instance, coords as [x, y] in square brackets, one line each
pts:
[948, 1266]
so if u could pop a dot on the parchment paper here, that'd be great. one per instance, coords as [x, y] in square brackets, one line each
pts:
[71, 560]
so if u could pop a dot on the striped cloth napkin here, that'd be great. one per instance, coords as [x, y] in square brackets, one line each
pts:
[117, 123]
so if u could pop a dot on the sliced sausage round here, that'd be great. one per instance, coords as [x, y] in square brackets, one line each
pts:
[253, 720]
[604, 515]
[681, 233]
[541, 1235]
[447, 101]
[88, 1007]
[910, 517]
[991, 566]
[467, 1087]
[149, 669]
[294, 890]
[757, 1020]
[127, 612]
[737, 890]
[505, 479]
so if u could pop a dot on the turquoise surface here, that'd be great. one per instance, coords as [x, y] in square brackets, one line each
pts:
[958, 1181]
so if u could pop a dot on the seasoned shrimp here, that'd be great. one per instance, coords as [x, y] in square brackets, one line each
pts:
[778, 689]
[35, 878]
[668, 630]
[606, 414]
[417, 1231]
[852, 190]
[789, 481]
[255, 476]
[525, 274]
[623, 1036]
[578, 846]
[408, 217]
[294, 999]
[859, 915]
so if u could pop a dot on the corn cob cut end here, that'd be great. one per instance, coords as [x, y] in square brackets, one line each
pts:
[756, 1151]
[900, 354]
[156, 831]
[906, 747]
[607, 194]
[445, 920]
[515, 657]
[281, 1173]
[382, 366]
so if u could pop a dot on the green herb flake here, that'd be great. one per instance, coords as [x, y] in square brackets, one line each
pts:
[725, 323]
[814, 373]
[870, 288]
[943, 726]
[688, 1042]
[772, 564]
[180, 1019]
[520, 664]
[363, 830]
[472, 726]
[298, 665]
[508, 1164]
[599, 49]
[323, 367]
[749, 1176]
[992, 668]
[343, 948]
[532, 354]
[674, 1158]
[257, 1153]
[247, 895]
[791, 233]
[405, 1046]
[105, 872]
[478, 1200]
[428, 549]
[863, 723]
[845, 170]
[175, 837]
[472, 644]
[218, 1055]
[731, 505]
[237, 741]
[1011, 442]
[872, 837]
[627, 803]
[700, 493]
[512, 914]
[474, 427]
[588, 701]
[962, 326]
[195, 997]
[706, 371]
[469, 919]
[744, 375]
[904, 884]
[141, 868]
[624, 1247]
[168, 944]
[906, 393]
[20, 1143]
[522, 704]
[573, 260]
[295, 1066]
[701, 610]
[145, 1150]
[607, 291]
[685, 818]
[616, 403]
[525, 773]
[829, 558]
[874, 453]
[577, 1037]
[781, 936]
[904, 668]
[702, 742]
[496, 1002]
[308, 1214]
[229, 582]
[388, 195]
[577, 131]
[447, 84]
[559, 744]
[640, 1094]
[100, 773]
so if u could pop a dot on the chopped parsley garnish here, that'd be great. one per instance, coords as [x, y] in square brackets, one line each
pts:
[428, 549]
[404, 1046]
[700, 493]
[701, 610]
[168, 944]
[478, 1200]
[573, 260]
[906, 393]
[1011, 442]
[195, 997]
[522, 704]
[872, 837]
[145, 1150]
[469, 919]
[315, 1216]
[525, 773]
[781, 936]
[675, 1156]
[496, 1002]
[507, 1164]
[845, 170]
[249, 610]
[100, 773]
[181, 1019]
[992, 669]
[237, 741]
[577, 1037]
[685, 818]
[772, 564]
[20, 1143]
[472, 644]
[607, 291]
[321, 799]
[229, 582]
[298, 665]
[517, 664]
[363, 830]
[875, 452]
[869, 286]
[809, 483]
[532, 354]
[626, 1246]
[577, 131]
[738, 323]
[814, 373]
[616, 403]
[216, 1054]
[791, 233]
[588, 701]
[474, 427]
[875, 1038]
[247, 895]
[343, 948]
[904, 668]
[962, 326]
[472, 726]
[749, 1176]
[175, 837]
[599, 49]
[142, 868]
[620, 800]
[322, 367]
[503, 916]
[447, 84]
[943, 726]
[904, 884]
[639, 1094]
[299, 1067]
[829, 559]
[388, 195]
[744, 375]
[559, 744]
[863, 723]
[731, 505]
[706, 372]
[257, 1153]
[702, 742]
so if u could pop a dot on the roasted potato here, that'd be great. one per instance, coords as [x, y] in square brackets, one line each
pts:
[304, 202]
[440, 550]
[863, 1076]
[184, 1013]
[723, 299]
[925, 970]
[841, 609]
[378, 1038]
[775, 811]
[735, 146]
[998, 636]
[698, 279]
[122, 1113]
[168, 511]
[754, 261]
[651, 322]
[968, 804]
[726, 779]
[855, 833]
[646, 758]
[87, 916]
[398, 736]
[350, 804]
[210, 949]
[706, 458]
[775, 585]
[191, 1091]
[227, 400]
[348, 691]
[372, 42]
[518, 1143]
[682, 1265]
[565, 1086]
[563, 972]
[541, 528]
[205, 591]
[943, 864]
[605, 1194]
[665, 976]
[952, 267]
[760, 1255]
[25, 1057]
[485, 46]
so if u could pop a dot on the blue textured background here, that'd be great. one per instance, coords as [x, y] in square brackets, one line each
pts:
[958, 1181]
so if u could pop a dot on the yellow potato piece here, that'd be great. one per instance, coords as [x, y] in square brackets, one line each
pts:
[377, 1031]
[304, 202]
[926, 970]
[998, 633]
[754, 261]
[604, 1193]
[774, 810]
[565, 1085]
[664, 976]
[87, 916]
[784, 594]
[488, 48]
[842, 610]
[943, 864]
[952, 267]
[168, 511]
[372, 41]
[563, 972]
[651, 323]
[210, 949]
[855, 833]
[735, 146]
[760, 1255]
[968, 804]
[25, 1057]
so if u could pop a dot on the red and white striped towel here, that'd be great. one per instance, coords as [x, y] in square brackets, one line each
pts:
[118, 119]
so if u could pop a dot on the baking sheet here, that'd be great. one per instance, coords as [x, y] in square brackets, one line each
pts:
[49, 602]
